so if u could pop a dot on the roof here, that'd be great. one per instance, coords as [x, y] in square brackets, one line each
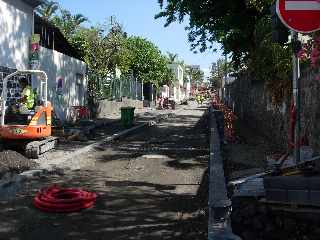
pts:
[52, 38]
[33, 3]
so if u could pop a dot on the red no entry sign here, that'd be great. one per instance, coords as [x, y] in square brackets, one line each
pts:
[300, 15]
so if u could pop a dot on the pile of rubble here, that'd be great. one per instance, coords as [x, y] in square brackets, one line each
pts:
[12, 162]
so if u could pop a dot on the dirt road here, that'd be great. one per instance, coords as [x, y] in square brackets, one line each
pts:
[151, 185]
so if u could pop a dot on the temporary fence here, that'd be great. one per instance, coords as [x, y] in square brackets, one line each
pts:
[114, 88]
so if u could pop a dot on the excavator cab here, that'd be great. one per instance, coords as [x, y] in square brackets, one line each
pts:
[29, 129]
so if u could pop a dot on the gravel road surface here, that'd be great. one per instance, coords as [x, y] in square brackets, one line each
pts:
[151, 185]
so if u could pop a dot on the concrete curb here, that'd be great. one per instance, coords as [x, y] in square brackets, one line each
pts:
[219, 204]
[71, 162]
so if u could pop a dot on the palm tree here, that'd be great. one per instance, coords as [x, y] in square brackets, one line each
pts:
[68, 23]
[47, 10]
[172, 57]
[78, 19]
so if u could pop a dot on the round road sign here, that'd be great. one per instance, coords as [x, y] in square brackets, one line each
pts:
[300, 15]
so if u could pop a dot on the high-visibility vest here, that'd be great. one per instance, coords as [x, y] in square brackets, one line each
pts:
[28, 92]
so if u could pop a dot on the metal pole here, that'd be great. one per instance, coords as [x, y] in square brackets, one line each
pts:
[111, 92]
[120, 89]
[296, 99]
[136, 79]
[142, 95]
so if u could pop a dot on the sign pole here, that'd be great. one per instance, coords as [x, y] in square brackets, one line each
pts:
[296, 98]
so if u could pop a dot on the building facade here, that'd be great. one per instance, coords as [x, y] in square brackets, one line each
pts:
[177, 91]
[67, 84]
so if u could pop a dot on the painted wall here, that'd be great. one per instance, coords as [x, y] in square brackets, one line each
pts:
[73, 89]
[16, 19]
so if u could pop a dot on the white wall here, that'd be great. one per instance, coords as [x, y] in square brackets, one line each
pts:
[58, 65]
[178, 72]
[176, 89]
[16, 19]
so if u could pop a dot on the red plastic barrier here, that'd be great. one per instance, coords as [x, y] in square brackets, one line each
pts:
[59, 200]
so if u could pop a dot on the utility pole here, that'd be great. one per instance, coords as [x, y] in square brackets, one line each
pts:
[296, 94]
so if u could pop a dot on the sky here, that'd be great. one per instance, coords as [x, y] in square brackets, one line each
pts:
[137, 18]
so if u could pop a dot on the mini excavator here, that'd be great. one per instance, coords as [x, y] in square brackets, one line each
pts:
[29, 131]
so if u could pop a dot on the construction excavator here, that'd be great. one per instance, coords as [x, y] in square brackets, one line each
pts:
[29, 131]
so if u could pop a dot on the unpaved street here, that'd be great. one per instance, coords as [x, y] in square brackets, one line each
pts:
[151, 185]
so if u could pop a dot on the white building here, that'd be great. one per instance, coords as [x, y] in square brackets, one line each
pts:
[16, 21]
[177, 91]
[66, 73]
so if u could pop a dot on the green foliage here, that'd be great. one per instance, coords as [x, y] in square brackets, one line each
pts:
[243, 28]
[196, 76]
[68, 24]
[106, 48]
[47, 10]
[219, 70]
[147, 62]
[172, 57]
[231, 23]
[271, 62]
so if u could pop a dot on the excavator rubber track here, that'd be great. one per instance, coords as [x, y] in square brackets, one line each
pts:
[35, 148]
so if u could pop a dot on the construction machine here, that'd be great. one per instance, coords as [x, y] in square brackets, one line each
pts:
[29, 131]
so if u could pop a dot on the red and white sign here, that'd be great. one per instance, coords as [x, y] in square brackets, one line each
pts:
[300, 15]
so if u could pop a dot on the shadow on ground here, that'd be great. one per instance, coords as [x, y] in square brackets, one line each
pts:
[185, 147]
[124, 210]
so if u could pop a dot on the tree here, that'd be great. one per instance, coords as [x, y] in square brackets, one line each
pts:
[219, 70]
[172, 57]
[243, 28]
[196, 76]
[68, 24]
[47, 10]
[106, 48]
[146, 61]
[231, 23]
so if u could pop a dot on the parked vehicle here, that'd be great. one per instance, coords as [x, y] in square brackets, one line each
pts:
[166, 103]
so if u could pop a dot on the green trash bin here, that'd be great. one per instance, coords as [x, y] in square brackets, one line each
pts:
[127, 116]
